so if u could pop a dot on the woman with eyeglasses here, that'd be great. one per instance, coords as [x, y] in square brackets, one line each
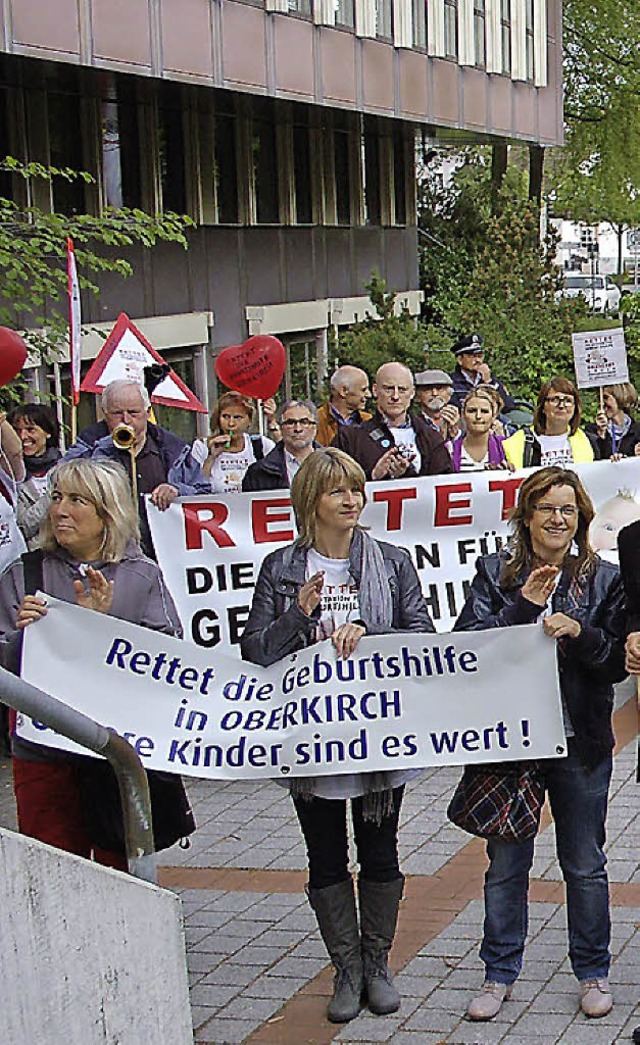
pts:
[556, 437]
[549, 573]
[337, 583]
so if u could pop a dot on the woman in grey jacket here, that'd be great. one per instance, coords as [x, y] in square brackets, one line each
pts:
[335, 582]
[90, 556]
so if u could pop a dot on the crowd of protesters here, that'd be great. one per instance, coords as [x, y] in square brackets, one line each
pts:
[85, 518]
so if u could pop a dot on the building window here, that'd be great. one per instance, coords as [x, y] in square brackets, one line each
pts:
[303, 207]
[419, 11]
[265, 164]
[384, 19]
[399, 178]
[120, 149]
[345, 13]
[6, 191]
[171, 149]
[371, 171]
[300, 7]
[505, 28]
[588, 237]
[479, 33]
[451, 28]
[342, 166]
[530, 40]
[226, 168]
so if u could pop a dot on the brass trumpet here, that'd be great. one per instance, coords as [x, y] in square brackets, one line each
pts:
[124, 438]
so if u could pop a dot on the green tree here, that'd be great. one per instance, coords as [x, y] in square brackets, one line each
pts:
[596, 176]
[33, 255]
[383, 335]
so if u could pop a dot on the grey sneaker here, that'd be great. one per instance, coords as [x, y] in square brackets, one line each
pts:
[488, 1001]
[597, 999]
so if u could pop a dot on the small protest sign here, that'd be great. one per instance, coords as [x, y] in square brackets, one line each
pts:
[600, 358]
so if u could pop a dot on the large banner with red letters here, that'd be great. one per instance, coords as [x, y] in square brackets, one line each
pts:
[210, 548]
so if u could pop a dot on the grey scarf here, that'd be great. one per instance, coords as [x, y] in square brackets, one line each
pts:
[366, 565]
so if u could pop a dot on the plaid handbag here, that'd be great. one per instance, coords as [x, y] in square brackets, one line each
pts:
[499, 800]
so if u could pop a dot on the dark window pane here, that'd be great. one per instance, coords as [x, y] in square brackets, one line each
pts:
[451, 28]
[342, 162]
[265, 171]
[65, 150]
[419, 8]
[478, 30]
[171, 142]
[345, 14]
[5, 147]
[384, 19]
[400, 180]
[372, 178]
[120, 150]
[301, 7]
[181, 422]
[506, 35]
[226, 169]
[302, 175]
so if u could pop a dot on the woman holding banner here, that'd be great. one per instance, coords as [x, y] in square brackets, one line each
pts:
[337, 583]
[90, 556]
[550, 573]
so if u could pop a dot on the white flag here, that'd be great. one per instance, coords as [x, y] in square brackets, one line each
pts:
[73, 290]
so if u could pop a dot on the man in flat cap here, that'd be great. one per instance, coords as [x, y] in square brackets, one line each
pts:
[434, 389]
[471, 370]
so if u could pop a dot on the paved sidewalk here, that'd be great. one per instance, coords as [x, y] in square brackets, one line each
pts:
[258, 969]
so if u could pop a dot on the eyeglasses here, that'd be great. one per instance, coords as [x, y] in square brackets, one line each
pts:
[567, 511]
[304, 422]
[560, 400]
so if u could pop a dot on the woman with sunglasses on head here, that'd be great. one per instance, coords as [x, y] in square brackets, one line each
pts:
[336, 582]
[556, 437]
[550, 573]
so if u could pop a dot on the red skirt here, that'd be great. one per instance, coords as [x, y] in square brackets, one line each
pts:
[50, 809]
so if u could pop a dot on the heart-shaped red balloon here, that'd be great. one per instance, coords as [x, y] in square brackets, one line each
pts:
[13, 355]
[254, 368]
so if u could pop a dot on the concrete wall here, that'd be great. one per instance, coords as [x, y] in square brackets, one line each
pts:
[89, 955]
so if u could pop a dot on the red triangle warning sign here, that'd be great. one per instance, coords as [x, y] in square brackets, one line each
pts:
[125, 354]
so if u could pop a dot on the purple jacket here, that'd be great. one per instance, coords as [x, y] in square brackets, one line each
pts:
[496, 453]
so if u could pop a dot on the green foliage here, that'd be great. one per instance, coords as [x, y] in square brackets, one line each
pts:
[488, 272]
[33, 255]
[375, 341]
[596, 176]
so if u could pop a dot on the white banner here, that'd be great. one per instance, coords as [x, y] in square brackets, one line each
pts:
[402, 701]
[210, 548]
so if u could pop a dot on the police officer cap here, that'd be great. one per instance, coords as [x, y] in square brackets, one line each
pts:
[468, 343]
[430, 378]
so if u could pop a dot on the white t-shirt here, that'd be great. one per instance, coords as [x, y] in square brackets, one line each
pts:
[555, 450]
[229, 468]
[339, 601]
[469, 464]
[405, 440]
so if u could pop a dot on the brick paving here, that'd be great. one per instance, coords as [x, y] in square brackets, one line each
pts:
[258, 970]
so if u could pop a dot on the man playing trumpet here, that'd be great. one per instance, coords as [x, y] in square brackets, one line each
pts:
[158, 462]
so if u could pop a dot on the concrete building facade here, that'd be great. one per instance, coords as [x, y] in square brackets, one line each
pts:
[285, 128]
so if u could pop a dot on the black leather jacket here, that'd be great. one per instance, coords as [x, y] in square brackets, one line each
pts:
[277, 626]
[588, 666]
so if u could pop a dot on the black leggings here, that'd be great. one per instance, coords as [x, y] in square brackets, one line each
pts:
[324, 826]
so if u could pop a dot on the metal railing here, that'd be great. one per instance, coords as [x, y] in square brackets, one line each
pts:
[130, 774]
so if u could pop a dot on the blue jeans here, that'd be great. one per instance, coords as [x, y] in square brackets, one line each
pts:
[579, 806]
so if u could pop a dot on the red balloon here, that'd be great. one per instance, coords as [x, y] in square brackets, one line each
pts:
[13, 355]
[254, 368]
